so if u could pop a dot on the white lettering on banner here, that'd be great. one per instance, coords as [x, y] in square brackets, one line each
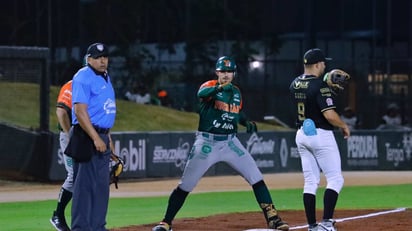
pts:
[364, 162]
[178, 155]
[60, 159]
[361, 148]
[394, 155]
[407, 145]
[265, 163]
[294, 153]
[255, 145]
[283, 152]
[134, 158]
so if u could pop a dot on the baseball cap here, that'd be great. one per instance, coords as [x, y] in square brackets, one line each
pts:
[313, 56]
[97, 50]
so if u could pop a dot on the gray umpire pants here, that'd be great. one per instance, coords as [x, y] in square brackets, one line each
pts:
[91, 192]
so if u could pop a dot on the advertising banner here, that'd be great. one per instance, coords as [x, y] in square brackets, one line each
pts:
[377, 150]
[132, 148]
[167, 153]
[164, 154]
[57, 169]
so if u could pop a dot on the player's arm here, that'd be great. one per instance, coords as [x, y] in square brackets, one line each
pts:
[63, 107]
[111, 143]
[242, 118]
[63, 118]
[328, 111]
[208, 89]
[250, 125]
[333, 118]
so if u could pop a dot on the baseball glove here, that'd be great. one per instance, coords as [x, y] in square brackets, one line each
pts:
[116, 168]
[337, 79]
[251, 127]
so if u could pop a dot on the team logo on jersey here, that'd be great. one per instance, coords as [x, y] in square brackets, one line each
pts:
[329, 101]
[300, 84]
[227, 116]
[236, 97]
[110, 106]
[220, 105]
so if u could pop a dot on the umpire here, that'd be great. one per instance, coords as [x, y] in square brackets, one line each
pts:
[94, 112]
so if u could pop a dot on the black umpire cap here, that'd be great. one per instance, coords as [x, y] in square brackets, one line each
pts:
[97, 50]
[313, 56]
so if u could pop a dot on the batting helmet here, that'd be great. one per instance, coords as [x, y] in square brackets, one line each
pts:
[225, 63]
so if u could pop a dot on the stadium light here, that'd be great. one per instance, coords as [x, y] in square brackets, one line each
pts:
[256, 64]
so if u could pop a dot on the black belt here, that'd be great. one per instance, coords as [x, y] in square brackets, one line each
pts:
[101, 130]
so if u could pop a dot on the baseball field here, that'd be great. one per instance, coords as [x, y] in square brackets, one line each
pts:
[369, 201]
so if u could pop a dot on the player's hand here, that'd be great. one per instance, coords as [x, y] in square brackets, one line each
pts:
[225, 86]
[346, 131]
[251, 127]
[100, 145]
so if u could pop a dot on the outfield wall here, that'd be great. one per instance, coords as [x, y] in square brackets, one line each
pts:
[164, 154]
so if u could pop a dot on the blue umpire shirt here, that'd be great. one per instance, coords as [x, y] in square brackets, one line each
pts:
[93, 89]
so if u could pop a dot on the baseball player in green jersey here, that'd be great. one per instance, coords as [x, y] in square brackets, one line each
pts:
[216, 141]
[64, 117]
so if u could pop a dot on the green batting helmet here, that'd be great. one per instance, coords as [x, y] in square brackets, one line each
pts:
[225, 63]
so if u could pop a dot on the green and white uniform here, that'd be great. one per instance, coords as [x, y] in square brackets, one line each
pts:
[220, 113]
[216, 141]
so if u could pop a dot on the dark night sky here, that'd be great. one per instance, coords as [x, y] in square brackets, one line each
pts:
[25, 22]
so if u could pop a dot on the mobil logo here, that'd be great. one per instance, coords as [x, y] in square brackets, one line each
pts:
[133, 154]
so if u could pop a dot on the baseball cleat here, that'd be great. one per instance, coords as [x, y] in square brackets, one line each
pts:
[162, 226]
[278, 224]
[327, 225]
[313, 227]
[59, 223]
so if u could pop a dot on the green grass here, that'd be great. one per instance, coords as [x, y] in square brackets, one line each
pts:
[33, 216]
[19, 105]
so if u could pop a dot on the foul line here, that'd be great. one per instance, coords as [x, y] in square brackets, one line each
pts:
[341, 219]
[357, 217]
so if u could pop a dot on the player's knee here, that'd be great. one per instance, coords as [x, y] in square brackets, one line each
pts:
[311, 184]
[68, 184]
[310, 188]
[336, 183]
[178, 192]
[68, 187]
[259, 183]
[186, 186]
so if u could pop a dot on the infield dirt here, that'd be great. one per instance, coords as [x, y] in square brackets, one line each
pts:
[400, 221]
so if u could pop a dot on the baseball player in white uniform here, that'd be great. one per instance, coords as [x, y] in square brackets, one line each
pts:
[317, 147]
